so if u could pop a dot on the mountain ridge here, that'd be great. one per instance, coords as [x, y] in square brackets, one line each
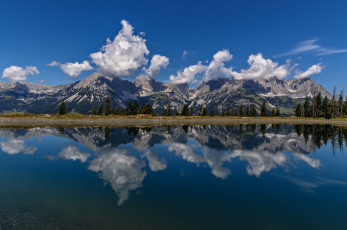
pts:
[217, 95]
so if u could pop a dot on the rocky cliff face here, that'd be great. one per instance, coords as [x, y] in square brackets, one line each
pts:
[216, 95]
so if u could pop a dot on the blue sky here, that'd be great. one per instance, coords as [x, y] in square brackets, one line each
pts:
[291, 37]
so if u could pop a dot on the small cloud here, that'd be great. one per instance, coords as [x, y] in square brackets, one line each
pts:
[73, 70]
[158, 62]
[312, 70]
[261, 68]
[188, 75]
[311, 47]
[17, 73]
[54, 63]
[214, 70]
[71, 152]
[184, 54]
[42, 81]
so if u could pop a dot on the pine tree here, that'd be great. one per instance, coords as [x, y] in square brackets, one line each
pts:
[185, 110]
[241, 110]
[325, 108]
[100, 110]
[253, 111]
[248, 111]
[211, 113]
[191, 112]
[62, 108]
[273, 112]
[147, 109]
[200, 111]
[278, 112]
[94, 110]
[340, 104]
[107, 106]
[228, 112]
[333, 104]
[135, 108]
[297, 110]
[204, 112]
[263, 110]
[307, 108]
[168, 110]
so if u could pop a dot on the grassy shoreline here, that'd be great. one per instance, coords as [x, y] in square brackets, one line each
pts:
[69, 120]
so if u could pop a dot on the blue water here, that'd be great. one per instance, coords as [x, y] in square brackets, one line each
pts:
[190, 177]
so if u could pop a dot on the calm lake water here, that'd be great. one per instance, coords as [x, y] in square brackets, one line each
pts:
[190, 177]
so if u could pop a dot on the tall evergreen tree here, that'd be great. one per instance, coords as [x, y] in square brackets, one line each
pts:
[248, 111]
[135, 108]
[273, 112]
[185, 110]
[307, 108]
[228, 113]
[62, 108]
[200, 111]
[278, 112]
[316, 107]
[340, 104]
[325, 108]
[93, 110]
[100, 110]
[107, 106]
[233, 112]
[241, 114]
[204, 112]
[263, 110]
[297, 110]
[333, 104]
[253, 111]
[168, 110]
[191, 111]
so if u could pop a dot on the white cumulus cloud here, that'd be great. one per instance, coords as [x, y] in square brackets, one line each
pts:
[312, 70]
[17, 73]
[125, 54]
[188, 74]
[261, 68]
[158, 62]
[73, 70]
[216, 68]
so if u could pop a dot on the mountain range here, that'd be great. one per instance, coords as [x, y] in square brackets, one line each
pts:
[216, 95]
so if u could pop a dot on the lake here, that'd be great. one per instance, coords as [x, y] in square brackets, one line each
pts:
[175, 177]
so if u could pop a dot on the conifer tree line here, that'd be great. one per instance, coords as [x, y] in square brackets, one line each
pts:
[323, 107]
[134, 108]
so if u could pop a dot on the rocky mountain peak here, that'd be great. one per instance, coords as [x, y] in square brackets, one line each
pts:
[217, 94]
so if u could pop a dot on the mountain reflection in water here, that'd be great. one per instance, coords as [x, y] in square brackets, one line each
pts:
[122, 156]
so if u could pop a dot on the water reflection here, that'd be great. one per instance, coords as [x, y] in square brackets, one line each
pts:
[120, 156]
[15, 146]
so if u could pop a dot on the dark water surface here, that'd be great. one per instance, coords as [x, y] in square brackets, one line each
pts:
[190, 177]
